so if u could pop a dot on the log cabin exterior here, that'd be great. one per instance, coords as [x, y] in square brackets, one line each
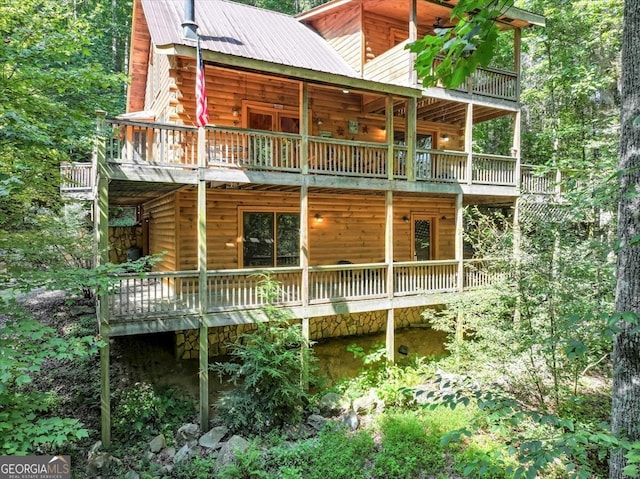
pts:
[324, 163]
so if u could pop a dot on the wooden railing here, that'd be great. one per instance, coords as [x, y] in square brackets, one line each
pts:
[161, 294]
[348, 158]
[491, 82]
[155, 143]
[76, 177]
[241, 288]
[494, 83]
[493, 170]
[538, 183]
[425, 277]
[479, 273]
[176, 146]
[257, 149]
[339, 282]
[154, 294]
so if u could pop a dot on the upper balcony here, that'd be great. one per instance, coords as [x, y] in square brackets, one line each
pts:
[236, 151]
[489, 83]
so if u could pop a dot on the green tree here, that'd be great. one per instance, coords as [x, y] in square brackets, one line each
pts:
[626, 354]
[28, 420]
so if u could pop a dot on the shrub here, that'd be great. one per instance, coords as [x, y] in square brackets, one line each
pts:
[142, 411]
[271, 369]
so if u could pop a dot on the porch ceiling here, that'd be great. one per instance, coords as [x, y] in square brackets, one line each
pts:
[438, 110]
[503, 201]
[132, 193]
[316, 190]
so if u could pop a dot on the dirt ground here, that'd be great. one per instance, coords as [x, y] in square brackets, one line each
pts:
[151, 358]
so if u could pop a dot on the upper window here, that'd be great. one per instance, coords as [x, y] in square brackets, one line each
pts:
[270, 238]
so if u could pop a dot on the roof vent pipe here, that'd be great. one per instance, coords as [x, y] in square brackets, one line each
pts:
[189, 25]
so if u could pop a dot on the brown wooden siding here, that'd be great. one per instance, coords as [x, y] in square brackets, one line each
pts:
[352, 228]
[343, 32]
[382, 33]
[139, 54]
[161, 96]
[162, 231]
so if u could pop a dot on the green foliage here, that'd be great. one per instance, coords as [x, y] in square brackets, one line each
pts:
[26, 424]
[545, 327]
[340, 455]
[388, 380]
[199, 468]
[406, 447]
[335, 453]
[271, 370]
[538, 441]
[570, 96]
[143, 411]
[471, 42]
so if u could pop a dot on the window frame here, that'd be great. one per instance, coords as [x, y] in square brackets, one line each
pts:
[264, 209]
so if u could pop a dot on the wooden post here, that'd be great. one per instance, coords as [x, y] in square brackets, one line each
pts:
[459, 242]
[468, 142]
[388, 257]
[412, 119]
[413, 36]
[202, 284]
[517, 244]
[304, 264]
[389, 131]
[517, 62]
[304, 244]
[304, 128]
[459, 253]
[515, 148]
[101, 215]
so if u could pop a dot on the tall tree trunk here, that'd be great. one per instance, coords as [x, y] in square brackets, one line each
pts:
[626, 353]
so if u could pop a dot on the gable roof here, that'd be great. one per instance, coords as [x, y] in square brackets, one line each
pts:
[244, 31]
[427, 11]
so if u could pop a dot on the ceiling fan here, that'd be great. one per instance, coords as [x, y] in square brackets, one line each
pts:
[439, 25]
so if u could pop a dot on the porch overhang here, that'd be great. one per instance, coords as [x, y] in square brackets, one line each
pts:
[291, 72]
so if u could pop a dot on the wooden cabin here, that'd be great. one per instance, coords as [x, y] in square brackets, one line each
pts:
[325, 164]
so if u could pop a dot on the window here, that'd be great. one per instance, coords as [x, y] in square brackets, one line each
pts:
[270, 238]
[423, 238]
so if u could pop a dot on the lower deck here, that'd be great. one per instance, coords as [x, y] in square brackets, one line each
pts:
[329, 252]
[170, 301]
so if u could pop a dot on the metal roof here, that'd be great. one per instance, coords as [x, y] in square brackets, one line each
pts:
[245, 31]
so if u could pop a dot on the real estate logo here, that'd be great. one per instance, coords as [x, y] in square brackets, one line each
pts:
[35, 467]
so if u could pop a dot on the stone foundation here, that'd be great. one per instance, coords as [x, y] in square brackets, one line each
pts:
[360, 324]
[121, 238]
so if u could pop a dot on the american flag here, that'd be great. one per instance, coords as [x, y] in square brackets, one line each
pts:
[202, 113]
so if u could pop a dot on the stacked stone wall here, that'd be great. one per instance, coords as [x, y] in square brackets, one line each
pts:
[360, 324]
[121, 238]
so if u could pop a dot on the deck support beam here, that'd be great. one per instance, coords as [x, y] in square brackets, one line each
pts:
[413, 36]
[101, 215]
[459, 254]
[304, 255]
[410, 132]
[388, 258]
[203, 371]
[304, 128]
[389, 130]
[517, 257]
[468, 142]
[515, 148]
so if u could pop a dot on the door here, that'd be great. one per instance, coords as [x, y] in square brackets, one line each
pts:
[423, 234]
[273, 151]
